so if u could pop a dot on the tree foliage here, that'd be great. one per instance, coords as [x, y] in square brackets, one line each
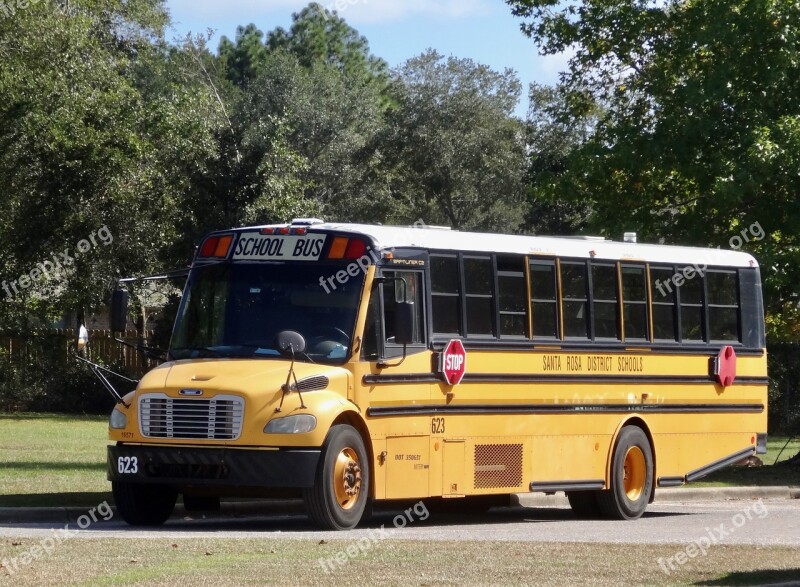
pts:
[700, 127]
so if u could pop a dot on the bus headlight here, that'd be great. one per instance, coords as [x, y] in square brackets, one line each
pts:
[291, 424]
[117, 420]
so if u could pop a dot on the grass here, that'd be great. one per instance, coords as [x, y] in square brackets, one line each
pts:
[105, 562]
[52, 460]
[56, 460]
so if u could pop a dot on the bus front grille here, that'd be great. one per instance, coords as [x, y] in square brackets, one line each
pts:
[216, 418]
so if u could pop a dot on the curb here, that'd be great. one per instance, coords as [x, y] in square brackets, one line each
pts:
[238, 509]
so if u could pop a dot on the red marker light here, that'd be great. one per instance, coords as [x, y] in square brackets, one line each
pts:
[301, 231]
[283, 230]
[267, 231]
[209, 247]
[355, 249]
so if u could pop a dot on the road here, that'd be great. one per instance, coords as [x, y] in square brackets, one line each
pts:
[735, 522]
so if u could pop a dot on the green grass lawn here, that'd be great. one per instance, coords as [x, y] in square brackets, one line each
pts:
[55, 460]
[52, 460]
[210, 562]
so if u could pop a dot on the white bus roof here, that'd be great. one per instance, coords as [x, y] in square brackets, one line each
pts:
[388, 237]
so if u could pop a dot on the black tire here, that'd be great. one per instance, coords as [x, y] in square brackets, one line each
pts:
[338, 499]
[584, 504]
[631, 481]
[143, 505]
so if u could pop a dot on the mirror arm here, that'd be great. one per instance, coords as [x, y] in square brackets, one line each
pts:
[98, 372]
[384, 364]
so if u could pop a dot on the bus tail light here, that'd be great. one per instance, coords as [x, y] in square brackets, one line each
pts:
[216, 246]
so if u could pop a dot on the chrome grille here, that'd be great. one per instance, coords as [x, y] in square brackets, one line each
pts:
[215, 418]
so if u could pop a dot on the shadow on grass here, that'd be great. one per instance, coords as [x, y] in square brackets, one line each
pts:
[791, 576]
[781, 474]
[52, 500]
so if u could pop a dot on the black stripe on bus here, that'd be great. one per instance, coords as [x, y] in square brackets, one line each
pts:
[541, 378]
[720, 464]
[551, 486]
[591, 348]
[422, 410]
[671, 481]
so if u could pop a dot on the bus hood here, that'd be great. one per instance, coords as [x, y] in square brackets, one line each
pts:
[253, 378]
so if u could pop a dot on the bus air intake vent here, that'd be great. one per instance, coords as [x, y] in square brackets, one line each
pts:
[313, 383]
[216, 418]
[498, 465]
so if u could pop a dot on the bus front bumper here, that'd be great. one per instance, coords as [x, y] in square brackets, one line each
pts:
[212, 467]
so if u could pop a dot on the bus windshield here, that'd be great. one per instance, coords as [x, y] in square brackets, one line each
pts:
[236, 310]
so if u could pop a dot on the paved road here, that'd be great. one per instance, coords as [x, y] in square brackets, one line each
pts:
[747, 522]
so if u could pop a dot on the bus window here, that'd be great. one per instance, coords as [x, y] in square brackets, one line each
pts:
[395, 291]
[544, 299]
[479, 280]
[723, 305]
[511, 296]
[663, 293]
[372, 327]
[690, 298]
[576, 301]
[446, 294]
[634, 302]
[605, 300]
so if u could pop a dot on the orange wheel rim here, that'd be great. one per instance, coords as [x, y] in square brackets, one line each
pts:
[634, 473]
[347, 478]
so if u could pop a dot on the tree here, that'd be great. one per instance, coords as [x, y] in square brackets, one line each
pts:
[701, 127]
[453, 151]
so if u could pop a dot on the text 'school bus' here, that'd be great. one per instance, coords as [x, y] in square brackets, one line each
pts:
[350, 363]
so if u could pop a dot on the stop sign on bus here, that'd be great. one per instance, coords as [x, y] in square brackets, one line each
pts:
[453, 362]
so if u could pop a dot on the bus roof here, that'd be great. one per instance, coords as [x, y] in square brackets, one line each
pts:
[388, 237]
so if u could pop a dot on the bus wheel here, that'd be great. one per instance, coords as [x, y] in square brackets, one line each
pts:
[631, 477]
[584, 504]
[143, 505]
[339, 496]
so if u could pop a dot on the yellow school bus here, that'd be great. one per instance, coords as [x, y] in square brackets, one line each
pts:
[350, 364]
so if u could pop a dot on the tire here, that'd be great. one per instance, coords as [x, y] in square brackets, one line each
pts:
[338, 499]
[143, 505]
[584, 504]
[631, 477]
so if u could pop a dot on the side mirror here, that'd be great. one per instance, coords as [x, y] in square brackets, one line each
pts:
[119, 310]
[404, 322]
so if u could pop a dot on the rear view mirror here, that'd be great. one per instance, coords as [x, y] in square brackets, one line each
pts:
[404, 323]
[119, 310]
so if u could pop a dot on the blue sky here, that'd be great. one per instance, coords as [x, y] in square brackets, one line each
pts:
[483, 30]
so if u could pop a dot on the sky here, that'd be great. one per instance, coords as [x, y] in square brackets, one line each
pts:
[482, 30]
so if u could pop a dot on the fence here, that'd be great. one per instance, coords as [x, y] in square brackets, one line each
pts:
[59, 345]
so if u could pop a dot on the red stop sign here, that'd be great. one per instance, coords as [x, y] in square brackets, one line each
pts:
[453, 362]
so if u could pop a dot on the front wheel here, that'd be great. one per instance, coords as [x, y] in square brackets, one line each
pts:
[143, 505]
[631, 477]
[339, 496]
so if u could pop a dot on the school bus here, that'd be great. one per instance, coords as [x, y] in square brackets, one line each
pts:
[350, 364]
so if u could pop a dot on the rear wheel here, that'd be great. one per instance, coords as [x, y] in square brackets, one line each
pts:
[631, 476]
[143, 505]
[584, 504]
[338, 499]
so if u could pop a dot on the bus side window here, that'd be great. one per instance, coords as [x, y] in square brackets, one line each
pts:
[394, 291]
[662, 291]
[544, 299]
[446, 294]
[690, 299]
[575, 299]
[723, 305]
[605, 301]
[511, 297]
[634, 300]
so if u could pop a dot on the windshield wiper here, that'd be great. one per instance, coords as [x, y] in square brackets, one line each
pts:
[200, 350]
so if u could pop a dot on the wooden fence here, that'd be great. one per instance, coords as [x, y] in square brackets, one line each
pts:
[46, 346]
